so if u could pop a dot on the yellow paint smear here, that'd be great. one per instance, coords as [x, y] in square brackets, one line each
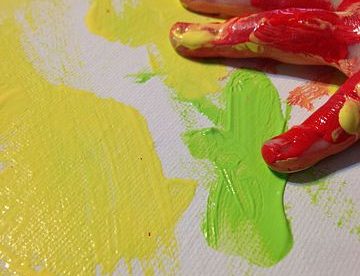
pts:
[349, 117]
[148, 22]
[194, 39]
[80, 184]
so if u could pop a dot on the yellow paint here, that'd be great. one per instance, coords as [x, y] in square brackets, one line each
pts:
[332, 88]
[148, 22]
[336, 133]
[349, 117]
[250, 47]
[9, 6]
[254, 47]
[240, 47]
[193, 39]
[81, 183]
[357, 89]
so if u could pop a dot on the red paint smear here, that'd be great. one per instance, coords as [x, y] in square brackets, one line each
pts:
[291, 31]
[283, 4]
[304, 145]
[306, 94]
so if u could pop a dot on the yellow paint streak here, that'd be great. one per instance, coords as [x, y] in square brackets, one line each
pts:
[80, 183]
[254, 47]
[249, 47]
[349, 117]
[194, 39]
[148, 22]
[336, 133]
[332, 88]
[9, 6]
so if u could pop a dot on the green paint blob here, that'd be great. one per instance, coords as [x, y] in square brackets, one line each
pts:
[245, 214]
[142, 77]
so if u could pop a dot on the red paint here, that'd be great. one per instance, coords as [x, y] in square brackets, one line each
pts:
[304, 95]
[236, 8]
[284, 4]
[348, 5]
[290, 31]
[303, 35]
[219, 8]
[294, 150]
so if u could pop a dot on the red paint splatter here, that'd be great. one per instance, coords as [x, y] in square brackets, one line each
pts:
[306, 94]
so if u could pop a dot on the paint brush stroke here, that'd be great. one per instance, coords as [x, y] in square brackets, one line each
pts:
[148, 22]
[81, 184]
[245, 214]
[323, 84]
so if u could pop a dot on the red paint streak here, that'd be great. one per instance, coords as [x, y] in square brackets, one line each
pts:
[294, 30]
[219, 8]
[304, 145]
[284, 4]
[286, 35]
[304, 95]
[348, 5]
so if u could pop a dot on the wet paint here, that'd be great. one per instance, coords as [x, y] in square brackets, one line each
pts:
[81, 184]
[194, 39]
[148, 22]
[237, 221]
[245, 214]
[349, 117]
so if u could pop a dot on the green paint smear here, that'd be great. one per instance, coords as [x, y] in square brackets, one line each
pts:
[142, 77]
[245, 214]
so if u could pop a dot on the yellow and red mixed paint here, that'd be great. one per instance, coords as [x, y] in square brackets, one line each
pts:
[287, 34]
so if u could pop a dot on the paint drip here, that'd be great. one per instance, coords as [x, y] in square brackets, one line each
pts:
[81, 184]
[245, 214]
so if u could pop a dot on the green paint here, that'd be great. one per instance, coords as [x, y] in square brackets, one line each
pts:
[330, 196]
[142, 77]
[356, 231]
[317, 191]
[245, 214]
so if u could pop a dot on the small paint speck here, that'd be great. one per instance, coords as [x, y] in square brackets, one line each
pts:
[142, 77]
